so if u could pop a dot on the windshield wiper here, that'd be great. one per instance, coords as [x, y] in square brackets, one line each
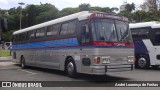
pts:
[125, 34]
[112, 35]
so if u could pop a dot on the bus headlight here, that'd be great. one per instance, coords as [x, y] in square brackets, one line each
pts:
[130, 59]
[97, 60]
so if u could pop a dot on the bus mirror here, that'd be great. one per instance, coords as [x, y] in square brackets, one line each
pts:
[4, 24]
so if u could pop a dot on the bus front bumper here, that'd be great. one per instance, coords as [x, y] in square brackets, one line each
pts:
[104, 69]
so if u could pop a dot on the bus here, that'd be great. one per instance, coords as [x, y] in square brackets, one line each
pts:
[85, 42]
[146, 37]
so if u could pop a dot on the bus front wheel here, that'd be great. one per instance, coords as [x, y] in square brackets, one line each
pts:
[142, 62]
[70, 68]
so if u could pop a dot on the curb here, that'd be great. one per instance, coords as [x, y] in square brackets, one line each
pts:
[4, 59]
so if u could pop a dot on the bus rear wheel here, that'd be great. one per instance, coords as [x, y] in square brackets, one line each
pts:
[23, 64]
[70, 68]
[142, 62]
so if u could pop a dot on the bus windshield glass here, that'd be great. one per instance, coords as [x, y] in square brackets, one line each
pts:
[110, 30]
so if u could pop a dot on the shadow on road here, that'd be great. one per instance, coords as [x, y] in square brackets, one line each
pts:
[150, 68]
[82, 77]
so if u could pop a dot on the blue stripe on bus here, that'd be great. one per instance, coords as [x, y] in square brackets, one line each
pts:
[52, 43]
[140, 47]
[70, 43]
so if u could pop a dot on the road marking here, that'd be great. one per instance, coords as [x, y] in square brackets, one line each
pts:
[6, 63]
[31, 73]
[8, 68]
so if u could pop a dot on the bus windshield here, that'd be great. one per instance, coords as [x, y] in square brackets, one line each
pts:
[110, 30]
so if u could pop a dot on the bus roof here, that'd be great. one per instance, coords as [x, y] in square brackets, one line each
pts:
[156, 25]
[80, 15]
[142, 24]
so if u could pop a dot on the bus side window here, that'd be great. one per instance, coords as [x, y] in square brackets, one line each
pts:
[68, 27]
[72, 27]
[17, 38]
[22, 37]
[31, 35]
[40, 33]
[157, 38]
[85, 37]
[64, 28]
[53, 30]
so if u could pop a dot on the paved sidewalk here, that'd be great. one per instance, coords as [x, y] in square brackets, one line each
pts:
[2, 59]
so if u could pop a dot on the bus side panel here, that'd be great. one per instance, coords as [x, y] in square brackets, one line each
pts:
[27, 54]
[72, 53]
[153, 52]
[15, 57]
[117, 58]
[140, 48]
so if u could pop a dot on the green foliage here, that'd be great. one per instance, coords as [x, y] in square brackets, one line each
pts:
[7, 36]
[4, 53]
[35, 14]
[46, 12]
[104, 9]
[84, 7]
[31, 15]
[68, 11]
[130, 7]
[140, 16]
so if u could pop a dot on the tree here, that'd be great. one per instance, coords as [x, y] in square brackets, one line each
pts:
[31, 13]
[35, 14]
[152, 4]
[128, 11]
[104, 9]
[46, 12]
[68, 11]
[7, 36]
[158, 4]
[13, 17]
[96, 8]
[113, 9]
[84, 7]
[129, 7]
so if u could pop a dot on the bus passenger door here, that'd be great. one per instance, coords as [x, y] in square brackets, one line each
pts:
[85, 33]
[85, 40]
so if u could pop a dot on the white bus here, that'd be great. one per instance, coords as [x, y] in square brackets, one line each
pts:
[146, 37]
[84, 42]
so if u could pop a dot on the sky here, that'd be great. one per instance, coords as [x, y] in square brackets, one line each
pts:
[60, 4]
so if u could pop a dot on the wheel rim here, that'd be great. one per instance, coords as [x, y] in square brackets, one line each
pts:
[142, 62]
[70, 68]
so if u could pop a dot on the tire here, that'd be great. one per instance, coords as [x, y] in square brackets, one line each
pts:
[142, 62]
[23, 64]
[70, 68]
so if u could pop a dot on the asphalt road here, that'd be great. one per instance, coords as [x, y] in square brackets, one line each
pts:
[12, 72]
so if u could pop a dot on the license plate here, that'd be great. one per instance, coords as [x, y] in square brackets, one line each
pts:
[105, 59]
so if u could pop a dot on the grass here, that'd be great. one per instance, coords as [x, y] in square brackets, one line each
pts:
[4, 53]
